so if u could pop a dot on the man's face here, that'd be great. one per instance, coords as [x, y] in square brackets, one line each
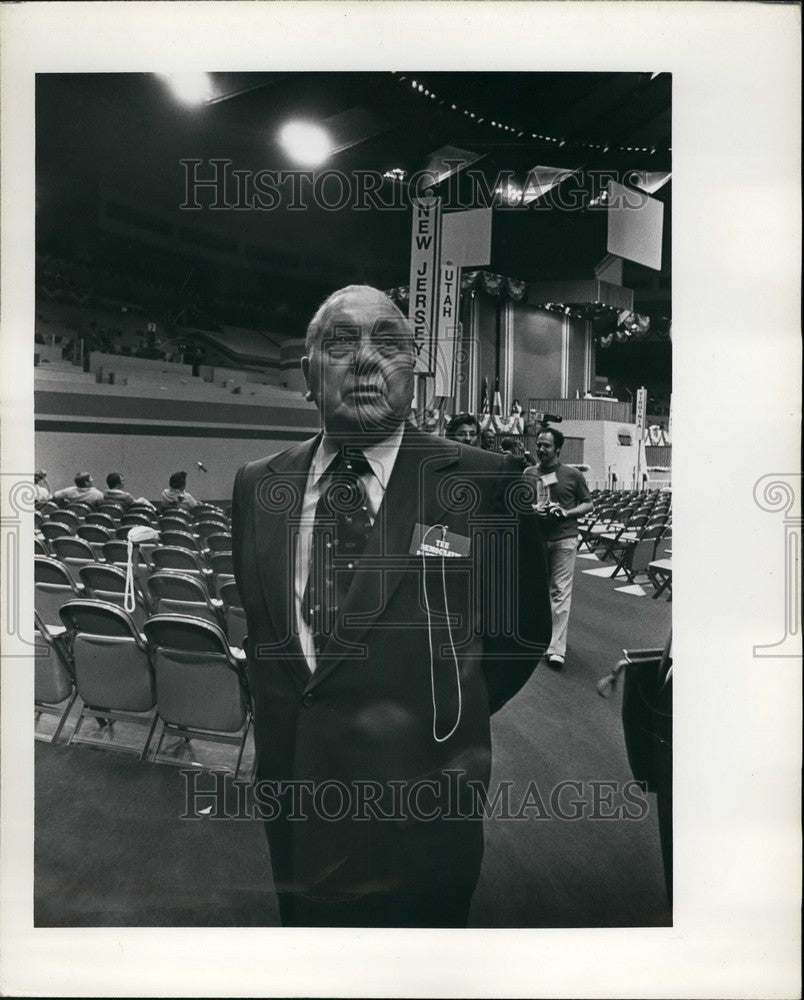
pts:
[360, 374]
[466, 434]
[546, 451]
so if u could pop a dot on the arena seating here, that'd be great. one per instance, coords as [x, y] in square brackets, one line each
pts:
[187, 576]
[92, 652]
[629, 529]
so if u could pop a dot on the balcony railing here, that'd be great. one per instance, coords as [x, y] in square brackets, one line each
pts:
[584, 409]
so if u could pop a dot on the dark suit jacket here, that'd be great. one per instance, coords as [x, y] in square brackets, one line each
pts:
[367, 712]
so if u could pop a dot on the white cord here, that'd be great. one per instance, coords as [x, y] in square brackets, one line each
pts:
[436, 737]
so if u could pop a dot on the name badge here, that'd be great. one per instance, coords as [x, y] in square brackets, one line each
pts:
[434, 540]
[549, 479]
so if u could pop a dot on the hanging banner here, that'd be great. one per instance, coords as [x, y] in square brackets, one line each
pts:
[641, 411]
[465, 241]
[641, 420]
[425, 257]
[448, 329]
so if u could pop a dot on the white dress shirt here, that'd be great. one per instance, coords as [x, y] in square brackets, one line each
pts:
[381, 457]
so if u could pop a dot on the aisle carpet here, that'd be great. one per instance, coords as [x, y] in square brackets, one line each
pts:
[112, 850]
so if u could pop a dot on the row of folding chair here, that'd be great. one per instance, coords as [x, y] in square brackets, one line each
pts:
[635, 551]
[162, 592]
[75, 514]
[179, 671]
[212, 536]
[607, 520]
[95, 538]
[609, 541]
[211, 568]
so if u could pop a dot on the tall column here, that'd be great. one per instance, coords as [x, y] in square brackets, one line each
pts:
[565, 352]
[781, 493]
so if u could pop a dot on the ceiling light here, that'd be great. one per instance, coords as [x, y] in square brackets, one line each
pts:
[190, 88]
[308, 144]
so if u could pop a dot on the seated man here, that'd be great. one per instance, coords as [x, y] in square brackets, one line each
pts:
[41, 488]
[84, 491]
[176, 494]
[116, 494]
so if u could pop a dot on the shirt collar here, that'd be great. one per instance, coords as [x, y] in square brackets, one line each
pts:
[381, 456]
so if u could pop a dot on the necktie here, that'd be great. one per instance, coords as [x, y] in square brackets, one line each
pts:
[340, 530]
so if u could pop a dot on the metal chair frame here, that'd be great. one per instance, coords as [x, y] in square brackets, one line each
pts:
[128, 629]
[187, 732]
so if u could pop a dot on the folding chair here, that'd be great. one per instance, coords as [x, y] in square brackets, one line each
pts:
[114, 510]
[173, 559]
[219, 542]
[54, 689]
[56, 529]
[174, 511]
[205, 511]
[116, 554]
[610, 541]
[73, 553]
[660, 572]
[53, 586]
[592, 526]
[145, 548]
[234, 614]
[206, 528]
[222, 569]
[101, 519]
[79, 509]
[103, 582]
[130, 519]
[113, 672]
[179, 594]
[97, 536]
[141, 508]
[635, 553]
[181, 539]
[68, 517]
[201, 689]
[173, 523]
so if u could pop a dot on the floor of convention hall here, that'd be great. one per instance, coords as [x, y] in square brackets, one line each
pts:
[111, 848]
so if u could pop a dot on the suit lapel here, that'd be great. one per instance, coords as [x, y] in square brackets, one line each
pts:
[277, 512]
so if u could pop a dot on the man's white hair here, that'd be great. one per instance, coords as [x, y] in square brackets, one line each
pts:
[319, 323]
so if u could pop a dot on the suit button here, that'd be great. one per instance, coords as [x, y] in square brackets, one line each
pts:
[308, 699]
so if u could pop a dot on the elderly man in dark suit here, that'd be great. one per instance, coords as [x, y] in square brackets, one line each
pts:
[396, 596]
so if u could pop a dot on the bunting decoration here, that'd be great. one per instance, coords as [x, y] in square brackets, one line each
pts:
[635, 326]
[656, 435]
[492, 284]
[492, 419]
[496, 409]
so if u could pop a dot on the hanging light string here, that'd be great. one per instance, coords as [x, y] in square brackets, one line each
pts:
[517, 131]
